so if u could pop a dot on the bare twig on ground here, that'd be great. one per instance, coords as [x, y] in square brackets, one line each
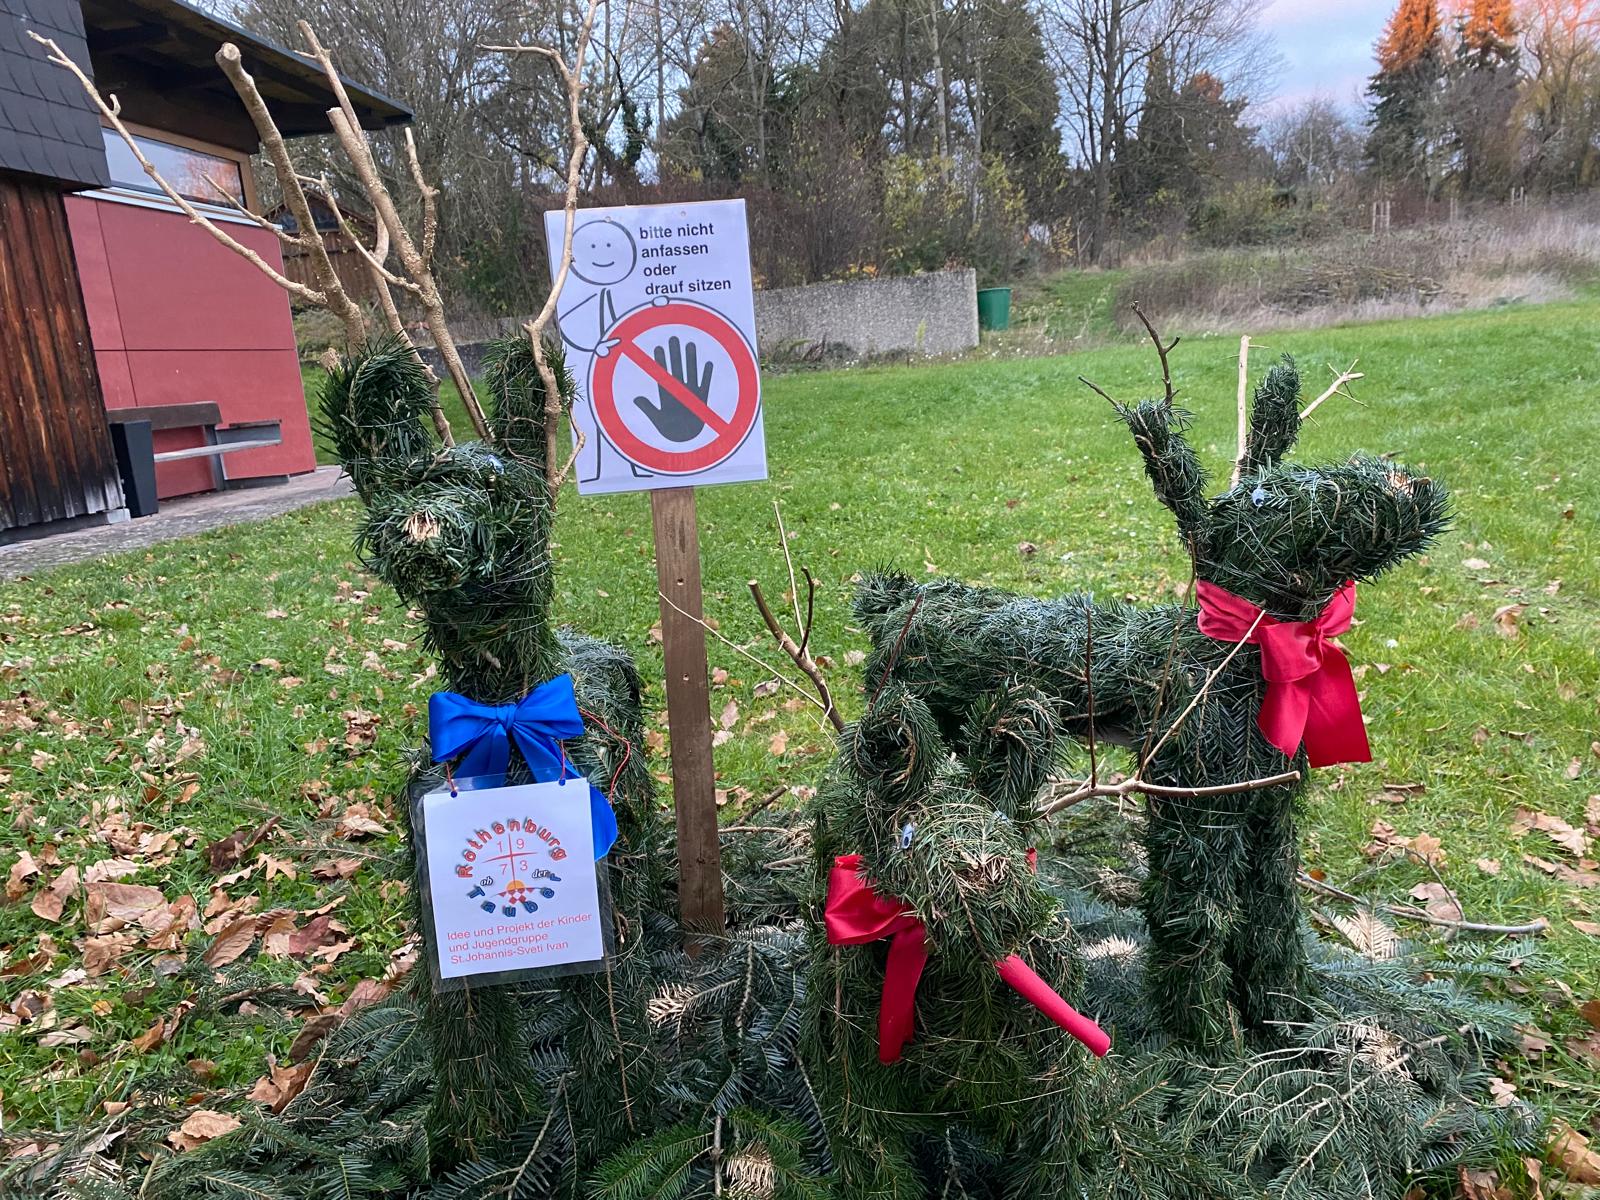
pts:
[1408, 913]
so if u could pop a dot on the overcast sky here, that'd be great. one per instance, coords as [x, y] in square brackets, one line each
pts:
[1326, 46]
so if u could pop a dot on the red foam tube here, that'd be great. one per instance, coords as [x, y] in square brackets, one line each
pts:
[1045, 998]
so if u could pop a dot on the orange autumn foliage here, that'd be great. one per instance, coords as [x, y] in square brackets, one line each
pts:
[1412, 31]
[1487, 25]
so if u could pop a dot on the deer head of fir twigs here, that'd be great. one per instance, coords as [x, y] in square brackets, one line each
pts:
[1285, 536]
[461, 531]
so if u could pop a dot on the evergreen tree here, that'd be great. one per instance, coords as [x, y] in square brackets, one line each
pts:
[1402, 142]
[1190, 139]
[1480, 99]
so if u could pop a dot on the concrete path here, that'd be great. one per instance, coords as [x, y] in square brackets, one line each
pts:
[177, 518]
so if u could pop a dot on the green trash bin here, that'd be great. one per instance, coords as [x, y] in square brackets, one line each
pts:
[994, 308]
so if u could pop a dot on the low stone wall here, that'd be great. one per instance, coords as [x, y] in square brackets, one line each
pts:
[936, 313]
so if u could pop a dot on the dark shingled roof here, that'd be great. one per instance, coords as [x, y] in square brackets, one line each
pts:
[47, 125]
[171, 44]
[158, 55]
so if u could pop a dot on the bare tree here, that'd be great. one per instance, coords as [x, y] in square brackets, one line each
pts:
[1102, 50]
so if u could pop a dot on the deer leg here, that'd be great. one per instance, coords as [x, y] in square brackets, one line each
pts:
[1268, 953]
[1196, 851]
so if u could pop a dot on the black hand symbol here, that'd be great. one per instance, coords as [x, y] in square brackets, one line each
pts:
[672, 418]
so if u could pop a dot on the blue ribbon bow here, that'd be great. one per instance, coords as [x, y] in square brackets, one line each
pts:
[538, 723]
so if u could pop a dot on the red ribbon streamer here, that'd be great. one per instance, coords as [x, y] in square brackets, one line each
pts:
[857, 914]
[1311, 694]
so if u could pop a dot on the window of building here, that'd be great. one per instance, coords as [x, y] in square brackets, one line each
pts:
[192, 172]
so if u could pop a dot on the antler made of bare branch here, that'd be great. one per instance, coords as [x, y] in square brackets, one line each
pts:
[571, 76]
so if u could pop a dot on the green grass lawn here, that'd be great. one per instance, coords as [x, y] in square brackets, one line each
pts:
[162, 700]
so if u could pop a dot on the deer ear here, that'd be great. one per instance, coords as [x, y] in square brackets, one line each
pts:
[518, 417]
[375, 403]
[1174, 468]
[1274, 417]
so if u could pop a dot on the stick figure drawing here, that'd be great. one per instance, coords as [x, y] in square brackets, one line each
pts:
[657, 318]
[603, 256]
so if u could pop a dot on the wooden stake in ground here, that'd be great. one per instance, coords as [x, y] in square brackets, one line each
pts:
[683, 645]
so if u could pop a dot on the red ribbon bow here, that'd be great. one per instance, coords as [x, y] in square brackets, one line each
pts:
[857, 914]
[1310, 691]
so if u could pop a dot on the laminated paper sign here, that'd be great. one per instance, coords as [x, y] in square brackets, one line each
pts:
[513, 886]
[657, 318]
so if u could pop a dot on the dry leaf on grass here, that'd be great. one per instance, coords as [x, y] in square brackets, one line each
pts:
[1507, 618]
[1572, 875]
[200, 1127]
[232, 942]
[1574, 841]
[336, 868]
[1481, 1185]
[1570, 1151]
[779, 743]
[112, 906]
[230, 850]
[50, 903]
[358, 822]
[22, 870]
[110, 868]
[1439, 900]
[730, 715]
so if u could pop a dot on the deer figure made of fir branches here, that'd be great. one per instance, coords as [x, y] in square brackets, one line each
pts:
[462, 533]
[1276, 560]
[943, 1038]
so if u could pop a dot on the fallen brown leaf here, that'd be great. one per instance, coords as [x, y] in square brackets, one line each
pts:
[201, 1126]
[230, 850]
[51, 902]
[22, 870]
[1573, 841]
[280, 1085]
[336, 868]
[1570, 1151]
[111, 906]
[150, 1038]
[231, 942]
[312, 1032]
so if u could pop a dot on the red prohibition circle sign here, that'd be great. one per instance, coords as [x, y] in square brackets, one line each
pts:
[730, 431]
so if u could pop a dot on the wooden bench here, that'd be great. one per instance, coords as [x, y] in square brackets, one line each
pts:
[220, 439]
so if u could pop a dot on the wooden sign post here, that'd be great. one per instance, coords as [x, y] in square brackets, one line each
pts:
[683, 646]
[658, 317]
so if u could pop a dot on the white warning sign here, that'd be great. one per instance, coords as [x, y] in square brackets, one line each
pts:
[658, 320]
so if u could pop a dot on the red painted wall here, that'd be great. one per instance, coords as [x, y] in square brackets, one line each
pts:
[176, 318]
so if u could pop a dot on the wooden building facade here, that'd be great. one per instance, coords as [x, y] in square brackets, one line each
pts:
[110, 300]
